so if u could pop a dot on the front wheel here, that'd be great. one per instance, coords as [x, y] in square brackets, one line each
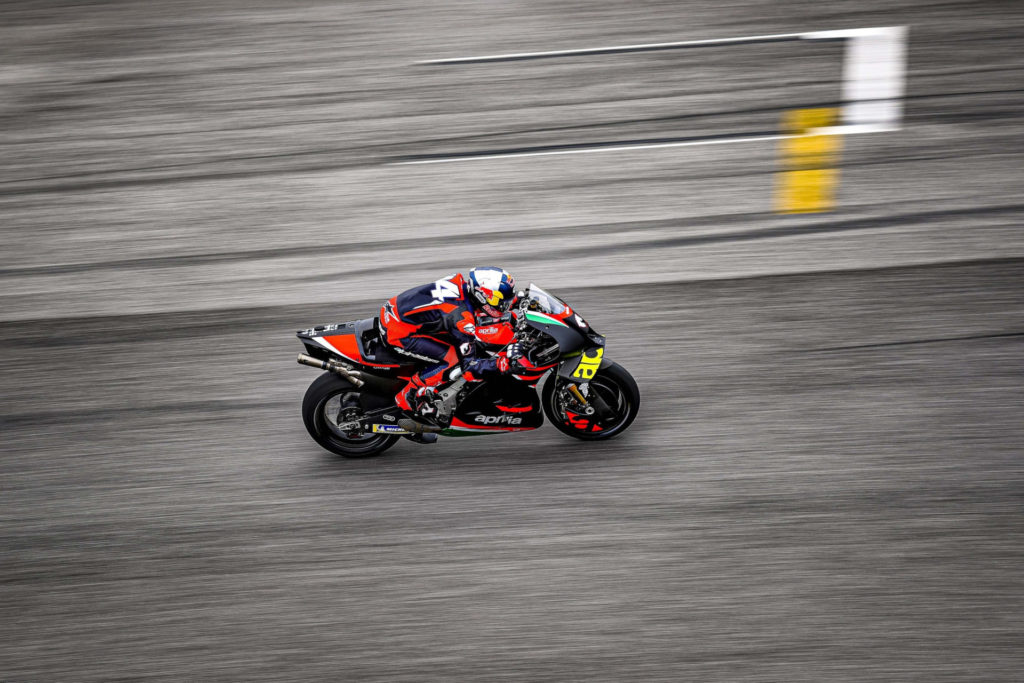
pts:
[331, 401]
[612, 384]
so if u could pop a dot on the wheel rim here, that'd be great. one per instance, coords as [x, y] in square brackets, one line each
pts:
[614, 396]
[327, 412]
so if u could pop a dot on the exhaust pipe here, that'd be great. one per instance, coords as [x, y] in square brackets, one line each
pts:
[332, 366]
[417, 428]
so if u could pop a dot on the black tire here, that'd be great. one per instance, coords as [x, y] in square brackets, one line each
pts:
[317, 406]
[615, 385]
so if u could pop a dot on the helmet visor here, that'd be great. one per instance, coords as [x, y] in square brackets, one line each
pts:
[494, 299]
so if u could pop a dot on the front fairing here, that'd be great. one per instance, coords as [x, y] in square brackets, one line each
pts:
[568, 337]
[557, 336]
[547, 313]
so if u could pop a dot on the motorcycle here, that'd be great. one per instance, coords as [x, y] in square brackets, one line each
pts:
[350, 409]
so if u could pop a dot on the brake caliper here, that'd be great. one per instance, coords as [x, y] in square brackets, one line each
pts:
[578, 410]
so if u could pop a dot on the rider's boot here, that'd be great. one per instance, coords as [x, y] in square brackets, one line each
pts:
[419, 401]
[424, 402]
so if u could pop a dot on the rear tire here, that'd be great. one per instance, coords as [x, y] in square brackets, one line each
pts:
[319, 413]
[618, 389]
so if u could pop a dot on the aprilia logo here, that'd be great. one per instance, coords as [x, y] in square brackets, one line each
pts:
[498, 419]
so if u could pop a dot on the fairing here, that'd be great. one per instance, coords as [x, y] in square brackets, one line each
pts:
[499, 406]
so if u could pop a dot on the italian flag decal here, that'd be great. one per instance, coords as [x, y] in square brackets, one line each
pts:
[543, 318]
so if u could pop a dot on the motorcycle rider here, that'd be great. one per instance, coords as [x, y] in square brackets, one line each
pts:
[436, 323]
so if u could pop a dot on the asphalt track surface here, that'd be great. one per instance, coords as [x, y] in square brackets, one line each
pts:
[825, 480]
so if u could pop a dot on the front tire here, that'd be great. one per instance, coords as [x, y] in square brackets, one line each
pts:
[618, 389]
[320, 408]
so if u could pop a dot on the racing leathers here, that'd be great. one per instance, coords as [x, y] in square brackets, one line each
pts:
[436, 324]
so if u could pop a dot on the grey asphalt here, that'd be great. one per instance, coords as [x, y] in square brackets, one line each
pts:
[825, 480]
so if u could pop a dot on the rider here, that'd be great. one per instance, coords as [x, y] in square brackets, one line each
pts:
[436, 323]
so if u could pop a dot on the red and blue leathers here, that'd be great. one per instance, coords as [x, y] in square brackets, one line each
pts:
[436, 323]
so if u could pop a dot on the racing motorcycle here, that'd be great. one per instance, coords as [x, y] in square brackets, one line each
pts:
[350, 409]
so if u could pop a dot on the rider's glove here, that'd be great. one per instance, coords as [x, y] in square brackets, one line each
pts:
[503, 364]
[506, 360]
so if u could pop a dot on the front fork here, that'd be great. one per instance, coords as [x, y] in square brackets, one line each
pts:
[590, 402]
[577, 393]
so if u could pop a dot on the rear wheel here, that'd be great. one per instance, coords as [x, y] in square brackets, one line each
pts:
[613, 385]
[331, 401]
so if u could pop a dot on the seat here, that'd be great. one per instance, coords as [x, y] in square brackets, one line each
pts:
[372, 347]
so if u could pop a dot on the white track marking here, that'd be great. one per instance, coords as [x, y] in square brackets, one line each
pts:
[842, 33]
[587, 150]
[896, 33]
[874, 76]
[832, 130]
[629, 48]
[855, 129]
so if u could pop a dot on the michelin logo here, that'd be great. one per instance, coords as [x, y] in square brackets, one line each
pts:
[388, 429]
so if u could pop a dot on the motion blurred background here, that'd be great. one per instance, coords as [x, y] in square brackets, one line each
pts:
[825, 480]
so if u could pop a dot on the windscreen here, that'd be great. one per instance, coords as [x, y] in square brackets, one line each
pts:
[539, 300]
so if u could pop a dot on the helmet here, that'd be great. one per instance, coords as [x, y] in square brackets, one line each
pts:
[492, 289]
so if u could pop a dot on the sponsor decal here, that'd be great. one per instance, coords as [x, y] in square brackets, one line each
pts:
[389, 418]
[589, 364]
[415, 355]
[389, 313]
[320, 329]
[498, 419]
[580, 321]
[487, 330]
[388, 429]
